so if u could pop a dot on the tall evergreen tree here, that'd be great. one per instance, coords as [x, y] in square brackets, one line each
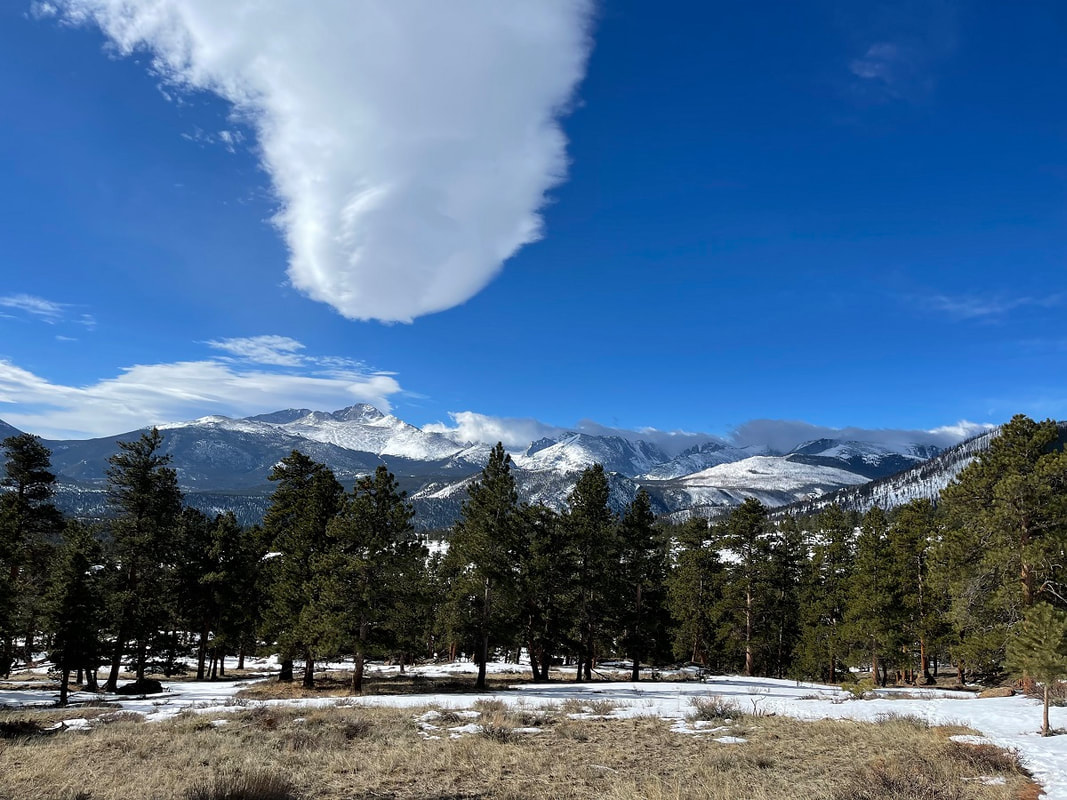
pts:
[1039, 650]
[746, 537]
[642, 573]
[481, 559]
[874, 617]
[29, 522]
[545, 591]
[377, 571]
[914, 531]
[307, 497]
[824, 596]
[1006, 533]
[694, 593]
[591, 527]
[144, 492]
[73, 605]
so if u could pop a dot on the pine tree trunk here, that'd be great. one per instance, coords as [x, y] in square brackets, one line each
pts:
[357, 672]
[241, 658]
[201, 653]
[222, 664]
[112, 682]
[64, 686]
[750, 664]
[874, 666]
[286, 673]
[142, 659]
[1044, 719]
[90, 679]
[635, 673]
[309, 670]
[924, 660]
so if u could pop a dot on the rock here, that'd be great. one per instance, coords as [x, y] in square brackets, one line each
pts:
[143, 686]
[997, 691]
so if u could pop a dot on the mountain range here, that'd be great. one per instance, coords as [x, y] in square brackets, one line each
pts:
[223, 464]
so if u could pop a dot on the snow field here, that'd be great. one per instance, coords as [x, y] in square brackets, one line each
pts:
[1009, 722]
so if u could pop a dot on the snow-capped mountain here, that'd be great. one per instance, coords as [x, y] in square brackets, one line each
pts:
[223, 464]
[576, 451]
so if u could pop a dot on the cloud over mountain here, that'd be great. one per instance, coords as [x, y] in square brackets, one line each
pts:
[411, 144]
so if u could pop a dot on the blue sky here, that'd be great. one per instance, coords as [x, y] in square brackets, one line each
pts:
[677, 216]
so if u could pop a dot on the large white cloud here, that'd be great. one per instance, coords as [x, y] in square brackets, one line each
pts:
[150, 394]
[410, 142]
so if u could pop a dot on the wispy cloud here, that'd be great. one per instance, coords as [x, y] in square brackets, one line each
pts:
[278, 350]
[986, 307]
[892, 71]
[411, 144]
[45, 310]
[148, 394]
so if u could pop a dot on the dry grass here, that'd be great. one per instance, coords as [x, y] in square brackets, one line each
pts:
[281, 753]
[338, 684]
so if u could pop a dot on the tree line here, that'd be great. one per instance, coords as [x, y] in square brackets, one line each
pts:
[975, 581]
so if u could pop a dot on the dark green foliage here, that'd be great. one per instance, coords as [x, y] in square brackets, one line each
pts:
[377, 578]
[694, 591]
[1039, 650]
[822, 647]
[546, 591]
[144, 492]
[29, 526]
[642, 583]
[305, 501]
[1005, 539]
[482, 563]
[748, 588]
[592, 532]
[73, 602]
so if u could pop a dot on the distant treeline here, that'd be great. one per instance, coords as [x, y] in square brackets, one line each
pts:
[967, 581]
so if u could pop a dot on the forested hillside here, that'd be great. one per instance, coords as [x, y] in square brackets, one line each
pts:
[339, 570]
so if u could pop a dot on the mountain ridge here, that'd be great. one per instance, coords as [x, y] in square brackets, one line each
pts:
[223, 464]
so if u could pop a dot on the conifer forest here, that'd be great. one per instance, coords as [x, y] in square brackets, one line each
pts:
[972, 585]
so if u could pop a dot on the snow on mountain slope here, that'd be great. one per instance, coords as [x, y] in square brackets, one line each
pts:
[360, 427]
[575, 451]
[363, 427]
[699, 457]
[773, 480]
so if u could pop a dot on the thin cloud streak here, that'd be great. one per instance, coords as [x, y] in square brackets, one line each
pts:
[410, 144]
[45, 310]
[984, 307]
[152, 394]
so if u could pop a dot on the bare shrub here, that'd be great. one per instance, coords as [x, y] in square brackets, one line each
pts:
[714, 709]
[260, 785]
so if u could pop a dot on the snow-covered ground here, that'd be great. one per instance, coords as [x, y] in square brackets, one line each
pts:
[1010, 722]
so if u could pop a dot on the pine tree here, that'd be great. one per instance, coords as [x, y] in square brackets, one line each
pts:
[547, 596]
[694, 592]
[591, 527]
[1007, 529]
[377, 570]
[824, 596]
[874, 618]
[307, 497]
[913, 533]
[642, 573]
[144, 492]
[746, 537]
[73, 605]
[1039, 650]
[481, 560]
[29, 522]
